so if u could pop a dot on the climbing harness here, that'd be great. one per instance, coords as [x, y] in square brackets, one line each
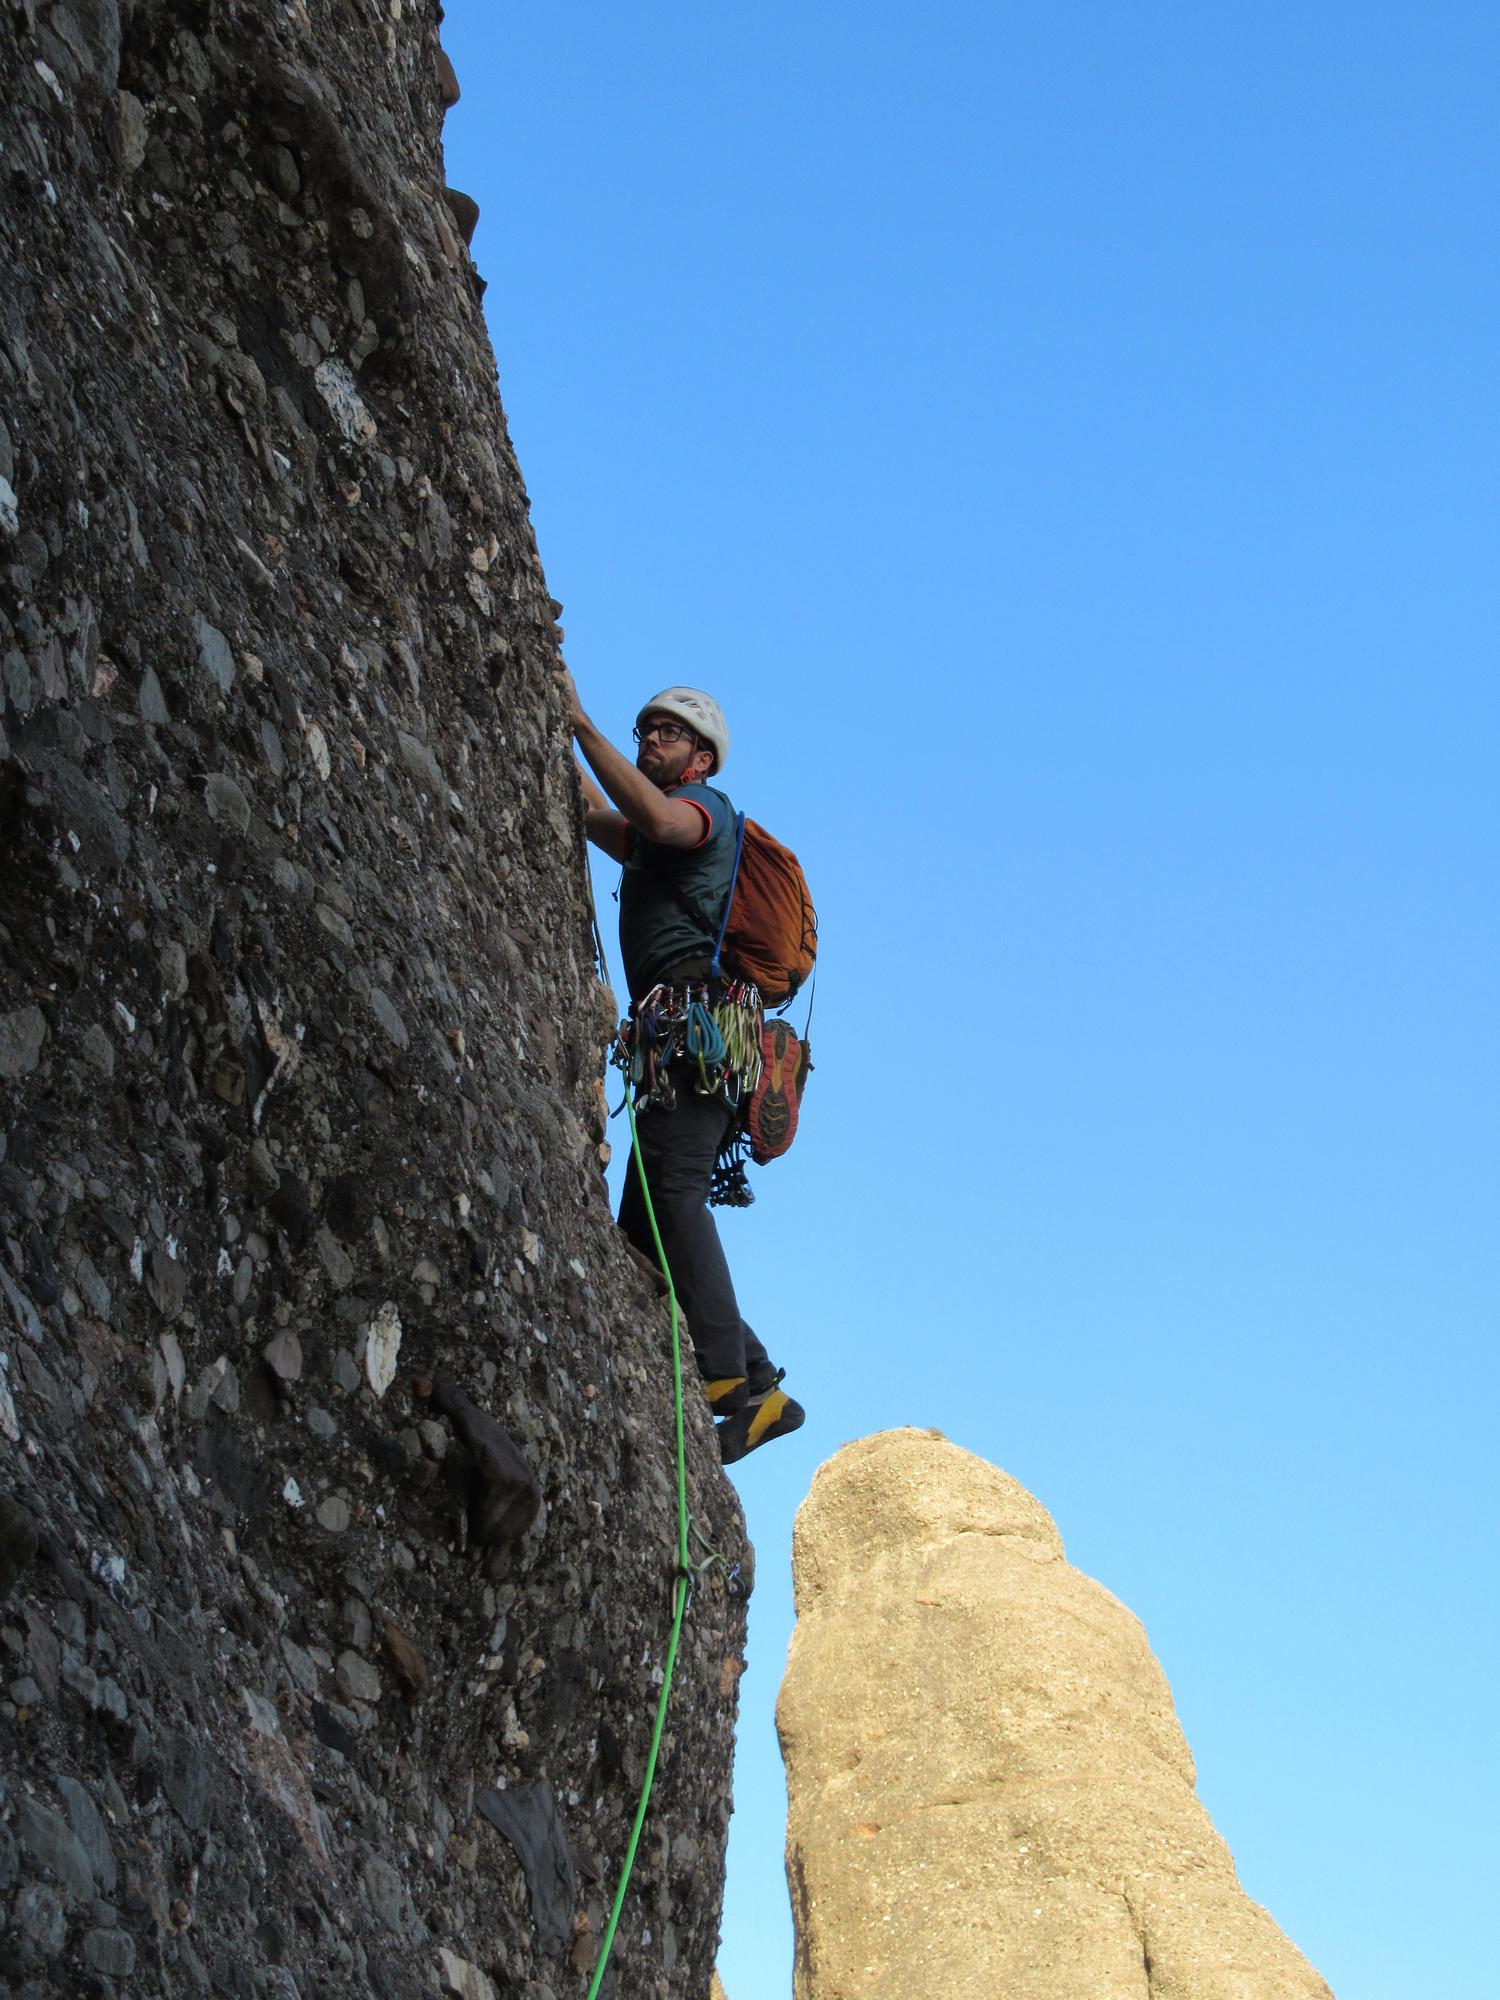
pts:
[757, 1067]
[719, 1039]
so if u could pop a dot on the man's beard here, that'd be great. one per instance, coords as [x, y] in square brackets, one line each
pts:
[660, 771]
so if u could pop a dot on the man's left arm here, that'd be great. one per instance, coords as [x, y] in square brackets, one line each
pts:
[604, 826]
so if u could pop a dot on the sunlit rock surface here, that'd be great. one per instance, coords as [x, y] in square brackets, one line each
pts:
[989, 1791]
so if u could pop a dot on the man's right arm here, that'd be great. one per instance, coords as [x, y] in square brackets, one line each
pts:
[639, 803]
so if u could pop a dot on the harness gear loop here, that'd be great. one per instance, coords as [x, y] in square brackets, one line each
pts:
[720, 1040]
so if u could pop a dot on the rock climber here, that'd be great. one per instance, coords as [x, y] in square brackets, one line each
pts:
[675, 834]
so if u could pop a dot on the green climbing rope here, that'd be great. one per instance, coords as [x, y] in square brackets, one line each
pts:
[682, 1589]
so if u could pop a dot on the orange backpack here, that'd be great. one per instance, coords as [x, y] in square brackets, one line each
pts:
[769, 931]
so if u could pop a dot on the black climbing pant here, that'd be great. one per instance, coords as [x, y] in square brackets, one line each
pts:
[679, 1148]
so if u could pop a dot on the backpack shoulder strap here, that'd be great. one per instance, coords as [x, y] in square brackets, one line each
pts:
[734, 873]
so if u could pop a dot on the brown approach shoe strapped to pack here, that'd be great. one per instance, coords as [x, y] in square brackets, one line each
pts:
[771, 1114]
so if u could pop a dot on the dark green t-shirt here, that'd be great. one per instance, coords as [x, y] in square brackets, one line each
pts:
[672, 898]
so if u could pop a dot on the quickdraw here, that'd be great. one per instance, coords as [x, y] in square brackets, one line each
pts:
[739, 1016]
[729, 1187]
[714, 1558]
[704, 1045]
[644, 1049]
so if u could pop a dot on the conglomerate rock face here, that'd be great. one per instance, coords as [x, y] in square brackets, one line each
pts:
[335, 1426]
[989, 1791]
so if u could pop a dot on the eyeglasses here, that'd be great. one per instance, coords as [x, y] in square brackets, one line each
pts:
[665, 732]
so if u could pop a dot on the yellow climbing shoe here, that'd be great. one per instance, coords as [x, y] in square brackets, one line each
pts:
[726, 1395]
[775, 1416]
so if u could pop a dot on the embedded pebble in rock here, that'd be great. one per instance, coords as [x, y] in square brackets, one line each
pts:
[421, 763]
[226, 801]
[335, 385]
[39, 1920]
[382, 1348]
[336, 1263]
[389, 1019]
[463, 1978]
[47, 1837]
[21, 1037]
[465, 212]
[283, 1356]
[131, 117]
[357, 1679]
[317, 748]
[109, 1952]
[406, 1659]
[448, 90]
[302, 1666]
[332, 1400]
[99, 1049]
[176, 1367]
[89, 1830]
[214, 655]
[152, 702]
[10, 1423]
[388, 1896]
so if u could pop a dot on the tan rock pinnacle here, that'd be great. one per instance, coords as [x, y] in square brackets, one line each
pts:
[990, 1796]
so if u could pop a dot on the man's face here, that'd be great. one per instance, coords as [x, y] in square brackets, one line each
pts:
[664, 763]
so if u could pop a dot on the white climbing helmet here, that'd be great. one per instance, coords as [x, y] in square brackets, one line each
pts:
[699, 711]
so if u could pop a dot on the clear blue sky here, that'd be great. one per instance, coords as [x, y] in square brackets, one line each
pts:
[1065, 438]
